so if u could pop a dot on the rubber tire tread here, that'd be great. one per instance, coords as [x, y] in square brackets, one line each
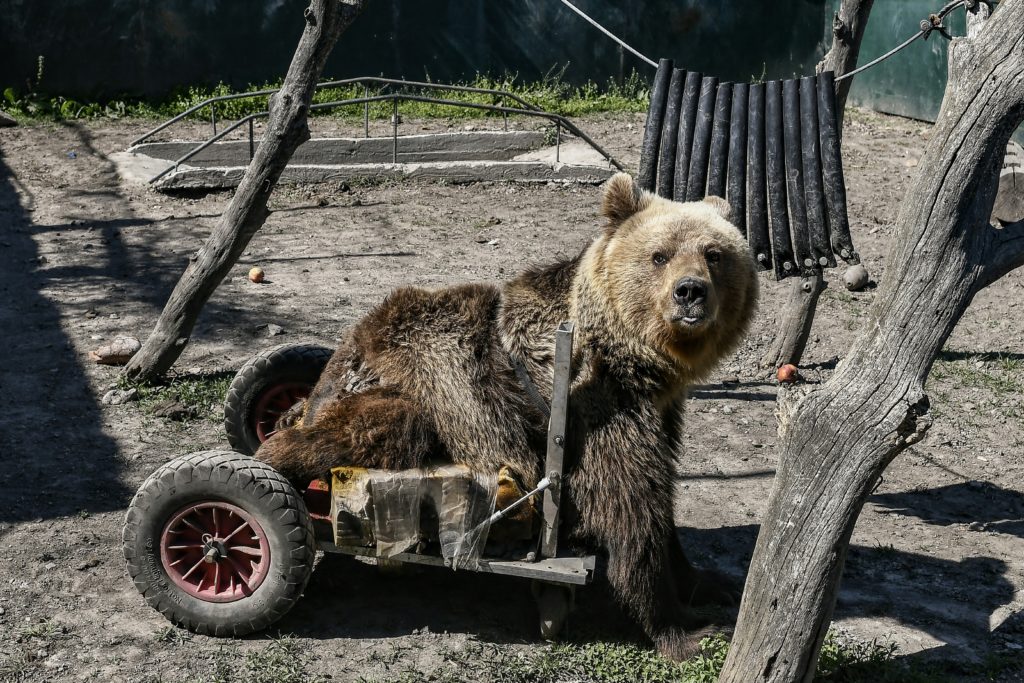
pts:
[258, 489]
[283, 363]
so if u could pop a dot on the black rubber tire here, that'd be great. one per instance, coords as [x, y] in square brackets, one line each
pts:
[285, 363]
[251, 485]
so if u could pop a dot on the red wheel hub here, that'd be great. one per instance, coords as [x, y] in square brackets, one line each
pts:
[215, 551]
[273, 403]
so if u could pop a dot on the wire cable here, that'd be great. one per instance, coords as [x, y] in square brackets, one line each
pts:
[608, 33]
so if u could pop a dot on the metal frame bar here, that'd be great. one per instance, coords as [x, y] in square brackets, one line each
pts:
[333, 84]
[577, 571]
[557, 119]
[557, 435]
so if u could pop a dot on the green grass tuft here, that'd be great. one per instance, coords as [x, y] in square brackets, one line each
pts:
[551, 94]
[202, 395]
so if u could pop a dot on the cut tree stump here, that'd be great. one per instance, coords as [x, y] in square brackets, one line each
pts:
[1009, 206]
[787, 347]
[7, 121]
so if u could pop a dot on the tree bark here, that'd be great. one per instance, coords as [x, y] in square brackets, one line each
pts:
[837, 439]
[847, 33]
[286, 129]
[6, 120]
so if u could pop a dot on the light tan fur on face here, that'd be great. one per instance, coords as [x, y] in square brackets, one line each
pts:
[642, 225]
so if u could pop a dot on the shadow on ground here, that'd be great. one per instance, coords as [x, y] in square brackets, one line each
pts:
[47, 469]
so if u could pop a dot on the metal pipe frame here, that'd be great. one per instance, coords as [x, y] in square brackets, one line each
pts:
[557, 119]
[333, 84]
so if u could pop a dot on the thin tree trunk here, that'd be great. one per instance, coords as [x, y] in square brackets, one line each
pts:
[837, 439]
[286, 129]
[798, 312]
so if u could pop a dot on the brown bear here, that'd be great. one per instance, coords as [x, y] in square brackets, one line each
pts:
[665, 292]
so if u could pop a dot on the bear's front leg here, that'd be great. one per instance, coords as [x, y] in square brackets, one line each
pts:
[642, 579]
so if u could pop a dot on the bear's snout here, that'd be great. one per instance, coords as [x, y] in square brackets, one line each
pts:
[690, 291]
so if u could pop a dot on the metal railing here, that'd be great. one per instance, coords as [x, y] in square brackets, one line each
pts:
[525, 109]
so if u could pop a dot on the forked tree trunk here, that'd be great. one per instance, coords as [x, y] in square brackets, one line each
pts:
[798, 312]
[837, 438]
[286, 129]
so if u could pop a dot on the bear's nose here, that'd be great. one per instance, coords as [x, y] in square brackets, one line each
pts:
[690, 291]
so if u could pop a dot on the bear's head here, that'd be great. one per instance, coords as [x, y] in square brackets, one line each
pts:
[680, 276]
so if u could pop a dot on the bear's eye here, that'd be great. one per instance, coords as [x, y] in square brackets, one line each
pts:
[659, 259]
[713, 255]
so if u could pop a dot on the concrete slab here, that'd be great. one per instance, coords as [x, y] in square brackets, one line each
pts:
[191, 177]
[457, 157]
[456, 146]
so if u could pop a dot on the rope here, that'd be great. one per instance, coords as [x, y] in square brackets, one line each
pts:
[608, 33]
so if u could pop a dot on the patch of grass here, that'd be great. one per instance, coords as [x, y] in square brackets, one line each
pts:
[962, 368]
[552, 93]
[283, 660]
[842, 660]
[172, 635]
[201, 395]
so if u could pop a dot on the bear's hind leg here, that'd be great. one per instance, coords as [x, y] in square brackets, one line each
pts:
[377, 428]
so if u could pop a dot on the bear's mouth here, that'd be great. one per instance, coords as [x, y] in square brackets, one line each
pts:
[690, 318]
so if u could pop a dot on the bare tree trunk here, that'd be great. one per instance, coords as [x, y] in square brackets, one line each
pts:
[847, 32]
[286, 129]
[6, 120]
[837, 439]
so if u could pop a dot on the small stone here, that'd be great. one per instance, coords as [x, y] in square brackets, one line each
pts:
[2, 611]
[173, 410]
[856, 278]
[976, 526]
[116, 397]
[117, 352]
[50, 565]
[726, 410]
[274, 330]
[88, 564]
[730, 380]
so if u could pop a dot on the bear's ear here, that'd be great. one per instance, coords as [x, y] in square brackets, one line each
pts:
[622, 199]
[720, 206]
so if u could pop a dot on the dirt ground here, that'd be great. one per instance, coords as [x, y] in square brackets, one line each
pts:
[937, 560]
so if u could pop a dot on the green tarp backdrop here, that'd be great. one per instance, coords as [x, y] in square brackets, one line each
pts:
[104, 49]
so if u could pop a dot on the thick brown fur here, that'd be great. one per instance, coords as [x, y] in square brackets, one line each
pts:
[426, 377]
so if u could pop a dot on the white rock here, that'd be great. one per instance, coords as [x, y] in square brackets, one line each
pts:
[856, 277]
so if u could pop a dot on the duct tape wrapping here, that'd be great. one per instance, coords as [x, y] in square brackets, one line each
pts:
[400, 511]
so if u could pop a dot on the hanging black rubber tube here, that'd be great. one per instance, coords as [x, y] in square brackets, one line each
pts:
[814, 195]
[795, 175]
[684, 141]
[646, 174]
[778, 208]
[719, 141]
[696, 183]
[757, 204]
[832, 169]
[736, 190]
[667, 158]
